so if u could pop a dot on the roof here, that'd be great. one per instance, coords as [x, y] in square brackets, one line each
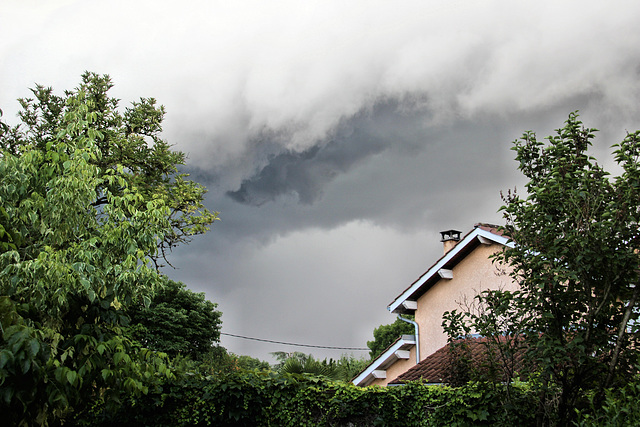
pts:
[386, 359]
[481, 234]
[439, 367]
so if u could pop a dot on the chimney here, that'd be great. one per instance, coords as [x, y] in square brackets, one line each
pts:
[450, 238]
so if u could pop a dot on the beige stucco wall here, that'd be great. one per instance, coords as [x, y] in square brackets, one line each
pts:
[472, 275]
[399, 367]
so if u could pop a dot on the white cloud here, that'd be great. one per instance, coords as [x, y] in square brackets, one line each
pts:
[229, 70]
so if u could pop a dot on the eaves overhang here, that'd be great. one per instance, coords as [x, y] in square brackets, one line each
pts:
[474, 238]
[385, 360]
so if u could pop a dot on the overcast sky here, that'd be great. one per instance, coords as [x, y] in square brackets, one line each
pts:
[336, 138]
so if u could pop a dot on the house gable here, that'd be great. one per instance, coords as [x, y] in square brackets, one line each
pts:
[480, 235]
[472, 274]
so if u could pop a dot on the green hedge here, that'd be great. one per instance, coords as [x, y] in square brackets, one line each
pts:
[269, 399]
[620, 407]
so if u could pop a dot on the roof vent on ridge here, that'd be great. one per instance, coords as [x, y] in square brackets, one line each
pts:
[449, 238]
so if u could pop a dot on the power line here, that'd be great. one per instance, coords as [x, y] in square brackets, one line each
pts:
[295, 345]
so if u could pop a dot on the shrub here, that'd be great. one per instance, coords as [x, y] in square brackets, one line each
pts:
[252, 398]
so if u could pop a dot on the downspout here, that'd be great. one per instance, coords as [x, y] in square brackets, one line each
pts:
[415, 325]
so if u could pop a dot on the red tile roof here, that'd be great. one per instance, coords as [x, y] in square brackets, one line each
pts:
[441, 367]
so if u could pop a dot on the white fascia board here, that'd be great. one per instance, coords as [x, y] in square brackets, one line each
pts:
[444, 260]
[406, 340]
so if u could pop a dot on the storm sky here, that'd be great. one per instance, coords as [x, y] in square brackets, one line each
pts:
[336, 138]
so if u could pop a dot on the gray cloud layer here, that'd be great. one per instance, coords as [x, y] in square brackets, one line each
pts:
[351, 142]
[336, 138]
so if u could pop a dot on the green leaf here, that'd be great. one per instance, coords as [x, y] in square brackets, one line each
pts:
[26, 365]
[34, 347]
[5, 357]
[71, 377]
[117, 358]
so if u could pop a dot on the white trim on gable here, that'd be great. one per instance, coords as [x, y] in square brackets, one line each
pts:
[484, 237]
[397, 351]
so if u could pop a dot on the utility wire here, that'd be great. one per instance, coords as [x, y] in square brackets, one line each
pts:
[295, 345]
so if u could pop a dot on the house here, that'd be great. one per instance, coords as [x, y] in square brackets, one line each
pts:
[465, 270]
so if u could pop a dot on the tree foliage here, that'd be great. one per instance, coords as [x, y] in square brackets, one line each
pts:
[177, 322]
[385, 335]
[349, 366]
[343, 369]
[248, 363]
[575, 256]
[89, 199]
[310, 366]
[126, 144]
[219, 361]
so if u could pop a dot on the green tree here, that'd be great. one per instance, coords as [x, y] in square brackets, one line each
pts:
[300, 363]
[343, 369]
[575, 258]
[250, 363]
[283, 356]
[177, 322]
[348, 366]
[385, 335]
[90, 198]
[219, 361]
[127, 144]
[310, 366]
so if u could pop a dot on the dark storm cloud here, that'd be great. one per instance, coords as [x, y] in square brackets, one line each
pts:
[285, 173]
[353, 141]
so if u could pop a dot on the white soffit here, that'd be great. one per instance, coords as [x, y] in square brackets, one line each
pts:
[379, 374]
[484, 240]
[410, 305]
[445, 274]
[403, 354]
